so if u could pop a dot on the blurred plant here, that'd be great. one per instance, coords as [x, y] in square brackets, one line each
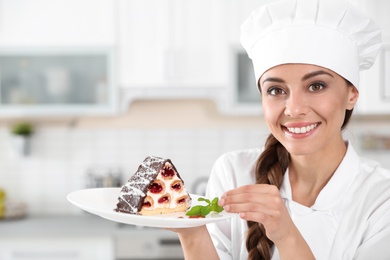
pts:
[23, 129]
[2, 195]
[2, 203]
[21, 137]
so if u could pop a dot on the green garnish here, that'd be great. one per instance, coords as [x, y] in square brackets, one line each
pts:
[199, 210]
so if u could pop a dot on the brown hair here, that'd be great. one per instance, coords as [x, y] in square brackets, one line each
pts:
[270, 169]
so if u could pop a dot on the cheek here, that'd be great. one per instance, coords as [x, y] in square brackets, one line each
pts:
[271, 113]
[332, 111]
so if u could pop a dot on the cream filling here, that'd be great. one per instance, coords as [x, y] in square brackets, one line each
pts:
[174, 194]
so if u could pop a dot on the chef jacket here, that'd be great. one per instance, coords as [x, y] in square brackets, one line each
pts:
[350, 218]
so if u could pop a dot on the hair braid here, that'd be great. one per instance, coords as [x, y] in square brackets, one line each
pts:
[270, 168]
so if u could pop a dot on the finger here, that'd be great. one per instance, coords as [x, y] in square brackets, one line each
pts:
[255, 217]
[251, 208]
[259, 189]
[271, 200]
[254, 188]
[244, 198]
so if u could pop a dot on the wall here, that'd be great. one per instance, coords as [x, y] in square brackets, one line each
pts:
[190, 132]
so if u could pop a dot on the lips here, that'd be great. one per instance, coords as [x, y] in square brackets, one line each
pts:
[302, 129]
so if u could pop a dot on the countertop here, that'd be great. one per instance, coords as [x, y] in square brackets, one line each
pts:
[83, 225]
[84, 237]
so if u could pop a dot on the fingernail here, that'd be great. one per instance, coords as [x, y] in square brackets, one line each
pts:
[221, 201]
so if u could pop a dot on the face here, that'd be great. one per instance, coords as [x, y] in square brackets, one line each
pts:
[304, 107]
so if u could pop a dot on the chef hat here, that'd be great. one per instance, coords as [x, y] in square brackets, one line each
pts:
[327, 33]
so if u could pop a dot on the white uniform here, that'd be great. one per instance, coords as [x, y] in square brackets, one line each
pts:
[349, 220]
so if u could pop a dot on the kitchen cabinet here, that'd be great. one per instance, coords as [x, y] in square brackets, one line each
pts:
[172, 49]
[172, 43]
[56, 23]
[161, 49]
[183, 49]
[57, 58]
[243, 96]
[52, 82]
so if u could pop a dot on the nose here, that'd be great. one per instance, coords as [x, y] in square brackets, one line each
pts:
[296, 105]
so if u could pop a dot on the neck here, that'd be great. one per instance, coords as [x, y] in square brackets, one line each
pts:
[310, 174]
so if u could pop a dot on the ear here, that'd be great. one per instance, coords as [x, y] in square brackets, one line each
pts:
[353, 95]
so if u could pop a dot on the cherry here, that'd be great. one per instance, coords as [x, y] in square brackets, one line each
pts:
[182, 200]
[156, 187]
[147, 204]
[168, 173]
[163, 199]
[176, 186]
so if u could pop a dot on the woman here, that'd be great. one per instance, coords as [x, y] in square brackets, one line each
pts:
[306, 195]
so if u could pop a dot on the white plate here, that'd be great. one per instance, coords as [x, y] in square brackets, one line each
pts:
[102, 202]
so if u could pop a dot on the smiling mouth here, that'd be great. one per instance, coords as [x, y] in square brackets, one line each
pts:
[302, 130]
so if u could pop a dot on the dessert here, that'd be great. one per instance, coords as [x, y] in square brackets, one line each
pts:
[155, 188]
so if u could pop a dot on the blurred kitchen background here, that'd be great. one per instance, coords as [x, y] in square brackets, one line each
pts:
[89, 88]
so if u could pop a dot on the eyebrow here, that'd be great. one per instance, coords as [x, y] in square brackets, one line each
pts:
[273, 79]
[305, 77]
[316, 73]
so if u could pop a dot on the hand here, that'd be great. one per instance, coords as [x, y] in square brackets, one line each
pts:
[261, 203]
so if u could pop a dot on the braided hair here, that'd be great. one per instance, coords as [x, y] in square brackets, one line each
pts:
[270, 168]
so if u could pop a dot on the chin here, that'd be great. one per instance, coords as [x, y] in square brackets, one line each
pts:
[301, 149]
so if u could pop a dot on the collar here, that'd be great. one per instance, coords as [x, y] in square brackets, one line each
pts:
[337, 186]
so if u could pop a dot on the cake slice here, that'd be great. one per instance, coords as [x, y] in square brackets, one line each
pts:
[155, 188]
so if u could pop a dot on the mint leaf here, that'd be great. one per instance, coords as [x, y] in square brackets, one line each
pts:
[216, 208]
[194, 211]
[205, 200]
[205, 211]
[199, 210]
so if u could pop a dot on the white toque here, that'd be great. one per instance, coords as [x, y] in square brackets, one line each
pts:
[328, 33]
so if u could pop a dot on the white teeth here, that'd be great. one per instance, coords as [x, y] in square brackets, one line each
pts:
[301, 130]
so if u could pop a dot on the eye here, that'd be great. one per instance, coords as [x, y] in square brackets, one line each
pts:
[317, 86]
[275, 91]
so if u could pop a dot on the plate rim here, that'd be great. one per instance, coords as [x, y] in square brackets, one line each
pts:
[162, 222]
